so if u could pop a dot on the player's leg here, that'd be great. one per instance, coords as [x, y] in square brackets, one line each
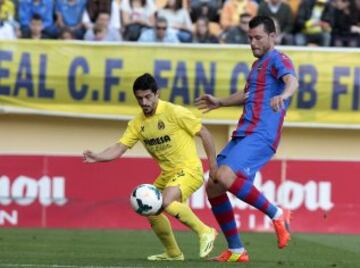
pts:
[244, 189]
[224, 214]
[175, 194]
[162, 228]
[238, 172]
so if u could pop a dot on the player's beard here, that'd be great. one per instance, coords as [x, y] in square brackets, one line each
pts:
[256, 52]
[147, 110]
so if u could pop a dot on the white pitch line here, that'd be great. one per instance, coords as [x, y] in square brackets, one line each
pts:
[60, 266]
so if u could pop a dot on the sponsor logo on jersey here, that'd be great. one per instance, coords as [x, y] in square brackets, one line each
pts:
[158, 140]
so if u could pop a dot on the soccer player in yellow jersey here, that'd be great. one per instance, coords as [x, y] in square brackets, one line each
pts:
[167, 131]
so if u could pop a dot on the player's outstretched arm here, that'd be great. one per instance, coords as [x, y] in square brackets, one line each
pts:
[209, 147]
[291, 85]
[110, 153]
[208, 102]
[238, 98]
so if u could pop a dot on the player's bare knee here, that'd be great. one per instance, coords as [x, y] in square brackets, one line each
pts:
[171, 194]
[214, 189]
[210, 188]
[225, 176]
[168, 197]
[166, 202]
[220, 177]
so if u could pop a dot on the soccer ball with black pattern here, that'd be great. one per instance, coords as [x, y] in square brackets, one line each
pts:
[146, 199]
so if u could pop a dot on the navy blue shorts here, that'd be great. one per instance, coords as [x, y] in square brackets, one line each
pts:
[246, 155]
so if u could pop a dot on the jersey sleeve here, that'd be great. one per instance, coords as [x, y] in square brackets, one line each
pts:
[187, 120]
[282, 65]
[130, 136]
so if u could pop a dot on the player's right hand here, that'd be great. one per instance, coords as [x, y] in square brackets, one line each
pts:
[277, 103]
[89, 157]
[207, 102]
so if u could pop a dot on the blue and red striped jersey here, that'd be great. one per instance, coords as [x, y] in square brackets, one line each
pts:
[264, 82]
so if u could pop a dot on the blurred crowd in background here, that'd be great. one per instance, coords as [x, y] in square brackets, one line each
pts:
[299, 22]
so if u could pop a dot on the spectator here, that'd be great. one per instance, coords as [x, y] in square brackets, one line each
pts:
[278, 38]
[206, 8]
[115, 19]
[103, 29]
[36, 28]
[312, 25]
[356, 28]
[69, 13]
[161, 33]
[238, 34]
[7, 31]
[7, 10]
[232, 10]
[344, 31]
[294, 5]
[95, 7]
[99, 33]
[137, 15]
[66, 34]
[45, 9]
[280, 11]
[202, 32]
[178, 18]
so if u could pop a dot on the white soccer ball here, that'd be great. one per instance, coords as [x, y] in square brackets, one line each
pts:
[146, 199]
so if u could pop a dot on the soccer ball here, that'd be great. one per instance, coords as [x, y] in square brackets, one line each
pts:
[146, 199]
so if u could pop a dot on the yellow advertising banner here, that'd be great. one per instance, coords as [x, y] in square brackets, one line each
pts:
[96, 79]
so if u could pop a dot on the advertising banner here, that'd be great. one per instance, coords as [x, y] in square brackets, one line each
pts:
[63, 192]
[90, 79]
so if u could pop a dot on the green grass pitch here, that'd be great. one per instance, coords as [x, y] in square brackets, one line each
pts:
[40, 248]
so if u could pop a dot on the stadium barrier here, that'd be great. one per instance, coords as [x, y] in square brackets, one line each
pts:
[87, 79]
[63, 192]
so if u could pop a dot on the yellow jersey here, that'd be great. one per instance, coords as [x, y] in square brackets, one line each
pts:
[7, 10]
[168, 136]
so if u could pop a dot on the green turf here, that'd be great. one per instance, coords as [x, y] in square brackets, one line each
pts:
[112, 248]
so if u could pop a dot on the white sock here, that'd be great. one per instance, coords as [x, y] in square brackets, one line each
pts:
[237, 250]
[278, 214]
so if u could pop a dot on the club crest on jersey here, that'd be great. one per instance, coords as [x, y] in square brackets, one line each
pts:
[161, 125]
[142, 128]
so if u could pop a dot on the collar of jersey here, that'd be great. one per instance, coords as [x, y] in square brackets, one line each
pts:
[159, 109]
[267, 54]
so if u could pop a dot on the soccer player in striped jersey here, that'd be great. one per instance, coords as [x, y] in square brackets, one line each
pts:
[168, 133]
[270, 84]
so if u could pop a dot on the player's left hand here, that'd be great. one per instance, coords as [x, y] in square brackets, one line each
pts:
[277, 103]
[212, 172]
[207, 102]
[89, 157]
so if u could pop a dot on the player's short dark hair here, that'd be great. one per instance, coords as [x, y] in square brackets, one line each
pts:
[145, 82]
[66, 29]
[245, 15]
[204, 18]
[36, 16]
[161, 19]
[101, 13]
[269, 25]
